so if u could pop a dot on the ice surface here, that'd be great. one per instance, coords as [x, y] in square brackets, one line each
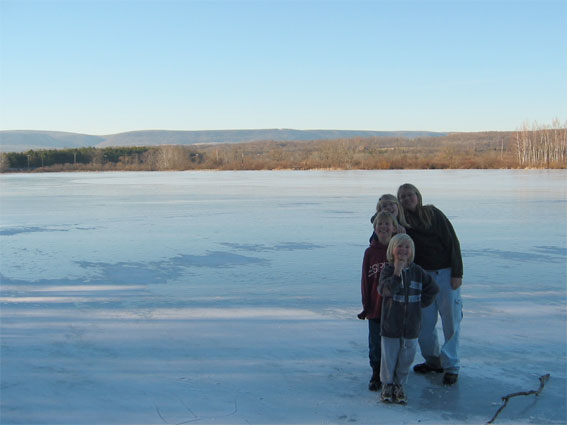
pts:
[231, 297]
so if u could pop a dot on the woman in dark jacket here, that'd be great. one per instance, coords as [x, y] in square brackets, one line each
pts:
[438, 251]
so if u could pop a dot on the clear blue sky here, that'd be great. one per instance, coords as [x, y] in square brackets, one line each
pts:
[102, 67]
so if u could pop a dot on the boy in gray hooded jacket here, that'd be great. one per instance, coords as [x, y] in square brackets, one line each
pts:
[405, 288]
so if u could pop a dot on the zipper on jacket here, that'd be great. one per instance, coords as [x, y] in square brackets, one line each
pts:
[406, 296]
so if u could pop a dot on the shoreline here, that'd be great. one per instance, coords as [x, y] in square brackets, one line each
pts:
[44, 171]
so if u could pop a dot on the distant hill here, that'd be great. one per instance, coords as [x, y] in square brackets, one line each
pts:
[23, 140]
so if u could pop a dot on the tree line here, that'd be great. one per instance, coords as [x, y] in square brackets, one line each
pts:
[541, 146]
[537, 147]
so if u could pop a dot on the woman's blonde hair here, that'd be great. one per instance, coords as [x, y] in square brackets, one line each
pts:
[395, 241]
[385, 215]
[424, 213]
[391, 198]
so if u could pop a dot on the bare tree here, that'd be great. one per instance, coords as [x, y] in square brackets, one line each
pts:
[541, 146]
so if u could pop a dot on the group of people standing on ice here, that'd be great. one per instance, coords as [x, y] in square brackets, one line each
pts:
[411, 274]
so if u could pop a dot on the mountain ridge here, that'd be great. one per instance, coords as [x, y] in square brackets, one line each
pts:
[23, 140]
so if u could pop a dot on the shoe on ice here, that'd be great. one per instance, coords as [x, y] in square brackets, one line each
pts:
[400, 395]
[374, 384]
[425, 368]
[450, 378]
[387, 395]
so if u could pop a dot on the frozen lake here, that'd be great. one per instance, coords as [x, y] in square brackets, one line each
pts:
[231, 297]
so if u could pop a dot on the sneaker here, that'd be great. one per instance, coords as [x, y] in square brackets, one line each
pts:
[425, 368]
[374, 384]
[450, 378]
[387, 395]
[400, 395]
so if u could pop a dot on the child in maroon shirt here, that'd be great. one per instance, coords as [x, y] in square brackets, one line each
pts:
[385, 225]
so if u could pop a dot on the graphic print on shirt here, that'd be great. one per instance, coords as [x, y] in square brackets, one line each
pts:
[375, 269]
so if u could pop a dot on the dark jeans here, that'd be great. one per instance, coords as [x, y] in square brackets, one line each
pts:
[374, 344]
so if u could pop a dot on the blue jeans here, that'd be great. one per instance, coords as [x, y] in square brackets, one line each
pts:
[374, 351]
[449, 306]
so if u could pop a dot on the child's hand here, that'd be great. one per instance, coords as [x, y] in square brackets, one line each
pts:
[361, 315]
[399, 265]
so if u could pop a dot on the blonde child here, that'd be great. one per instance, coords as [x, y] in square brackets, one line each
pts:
[405, 288]
[390, 203]
[373, 262]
